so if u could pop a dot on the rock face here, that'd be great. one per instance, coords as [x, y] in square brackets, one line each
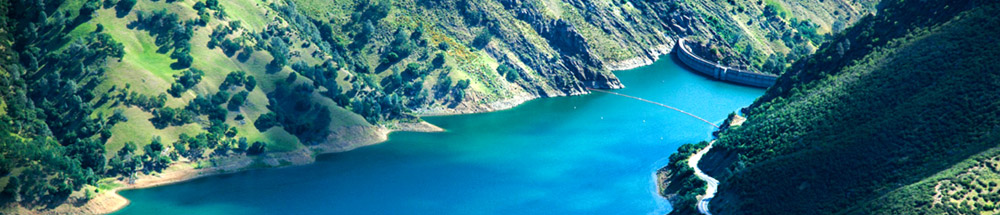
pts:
[574, 53]
[563, 47]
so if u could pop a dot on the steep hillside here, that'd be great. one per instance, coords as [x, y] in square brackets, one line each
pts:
[763, 35]
[897, 115]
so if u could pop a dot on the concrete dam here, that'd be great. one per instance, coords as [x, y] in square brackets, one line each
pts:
[721, 72]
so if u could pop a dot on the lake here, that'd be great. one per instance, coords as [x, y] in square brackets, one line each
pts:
[591, 154]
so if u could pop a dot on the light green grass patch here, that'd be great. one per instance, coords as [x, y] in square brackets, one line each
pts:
[107, 184]
[140, 49]
[279, 140]
[3, 107]
[250, 12]
[325, 9]
[139, 130]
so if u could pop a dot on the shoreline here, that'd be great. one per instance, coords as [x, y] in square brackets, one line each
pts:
[664, 177]
[711, 183]
[110, 201]
[652, 55]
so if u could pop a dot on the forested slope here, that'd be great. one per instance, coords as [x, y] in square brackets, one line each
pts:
[899, 114]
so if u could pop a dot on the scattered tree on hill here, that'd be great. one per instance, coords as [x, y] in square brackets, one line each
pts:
[185, 81]
[508, 72]
[212, 4]
[251, 83]
[125, 6]
[444, 46]
[236, 78]
[279, 50]
[266, 121]
[238, 100]
[483, 38]
[439, 60]
[257, 148]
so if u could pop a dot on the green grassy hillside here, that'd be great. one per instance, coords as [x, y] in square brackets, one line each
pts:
[897, 115]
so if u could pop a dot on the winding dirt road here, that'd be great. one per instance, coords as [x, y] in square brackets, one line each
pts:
[713, 185]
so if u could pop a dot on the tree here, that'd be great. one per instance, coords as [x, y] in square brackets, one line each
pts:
[460, 87]
[367, 30]
[118, 115]
[445, 83]
[279, 50]
[266, 121]
[246, 53]
[220, 97]
[235, 78]
[176, 89]
[512, 76]
[231, 132]
[212, 4]
[9, 193]
[251, 83]
[198, 6]
[197, 145]
[238, 100]
[462, 84]
[256, 149]
[483, 38]
[180, 146]
[417, 33]
[87, 10]
[155, 147]
[90, 153]
[184, 61]
[291, 78]
[125, 6]
[401, 47]
[127, 150]
[241, 145]
[439, 60]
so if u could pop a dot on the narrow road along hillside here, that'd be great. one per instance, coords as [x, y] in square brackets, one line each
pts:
[713, 184]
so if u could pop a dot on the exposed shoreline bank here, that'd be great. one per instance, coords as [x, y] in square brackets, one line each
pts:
[109, 201]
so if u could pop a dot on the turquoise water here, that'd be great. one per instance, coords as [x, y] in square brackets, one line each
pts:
[593, 154]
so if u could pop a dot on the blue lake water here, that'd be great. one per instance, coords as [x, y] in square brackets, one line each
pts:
[592, 154]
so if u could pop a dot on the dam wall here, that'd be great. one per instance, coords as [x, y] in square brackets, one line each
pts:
[721, 72]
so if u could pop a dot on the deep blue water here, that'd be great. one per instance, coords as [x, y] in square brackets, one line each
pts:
[592, 154]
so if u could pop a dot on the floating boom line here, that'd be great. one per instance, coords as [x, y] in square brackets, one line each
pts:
[655, 103]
